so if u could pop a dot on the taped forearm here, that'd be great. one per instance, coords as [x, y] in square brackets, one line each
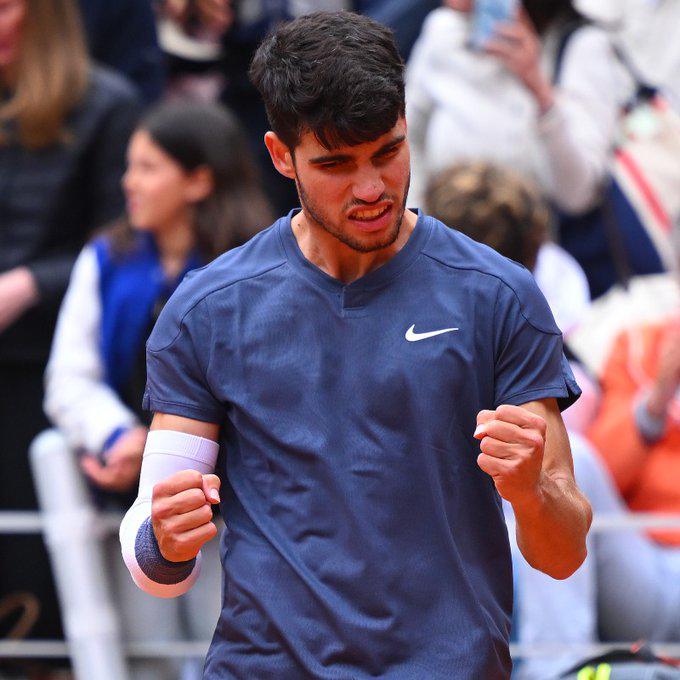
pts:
[166, 453]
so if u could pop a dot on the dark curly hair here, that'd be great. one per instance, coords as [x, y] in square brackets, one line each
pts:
[336, 74]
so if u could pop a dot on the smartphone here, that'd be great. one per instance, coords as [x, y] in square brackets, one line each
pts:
[486, 14]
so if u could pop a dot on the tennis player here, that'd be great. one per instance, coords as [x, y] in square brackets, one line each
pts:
[357, 387]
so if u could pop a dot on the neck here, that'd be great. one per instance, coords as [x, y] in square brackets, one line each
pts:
[339, 260]
[175, 242]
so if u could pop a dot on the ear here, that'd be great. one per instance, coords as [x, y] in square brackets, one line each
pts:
[281, 156]
[200, 184]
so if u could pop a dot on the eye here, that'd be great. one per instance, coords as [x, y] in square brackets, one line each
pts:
[331, 165]
[389, 153]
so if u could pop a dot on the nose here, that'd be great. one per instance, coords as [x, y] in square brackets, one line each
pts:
[369, 186]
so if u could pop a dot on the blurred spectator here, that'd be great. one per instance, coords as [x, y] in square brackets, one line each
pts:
[500, 208]
[647, 299]
[193, 55]
[622, 590]
[64, 125]
[500, 104]
[627, 588]
[122, 36]
[647, 30]
[404, 17]
[191, 195]
[637, 430]
[242, 25]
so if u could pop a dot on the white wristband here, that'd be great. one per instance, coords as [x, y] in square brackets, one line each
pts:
[166, 452]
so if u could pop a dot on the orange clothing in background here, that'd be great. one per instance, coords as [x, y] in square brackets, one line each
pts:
[647, 474]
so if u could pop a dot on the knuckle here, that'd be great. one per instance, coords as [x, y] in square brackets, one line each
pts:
[181, 542]
[193, 478]
[540, 423]
[504, 410]
[169, 526]
[157, 491]
[158, 510]
[167, 544]
[196, 497]
[537, 440]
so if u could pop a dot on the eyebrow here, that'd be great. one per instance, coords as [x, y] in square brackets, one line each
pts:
[341, 158]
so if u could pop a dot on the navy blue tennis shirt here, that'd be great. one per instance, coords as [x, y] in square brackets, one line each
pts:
[362, 541]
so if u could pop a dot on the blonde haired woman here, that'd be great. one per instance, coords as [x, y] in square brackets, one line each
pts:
[64, 126]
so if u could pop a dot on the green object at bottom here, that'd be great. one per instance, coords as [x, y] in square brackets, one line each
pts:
[602, 672]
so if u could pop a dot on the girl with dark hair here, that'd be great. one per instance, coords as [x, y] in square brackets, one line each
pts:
[192, 193]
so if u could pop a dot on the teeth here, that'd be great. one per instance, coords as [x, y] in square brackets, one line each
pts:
[369, 214]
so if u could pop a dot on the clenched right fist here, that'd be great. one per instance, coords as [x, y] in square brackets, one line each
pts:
[181, 513]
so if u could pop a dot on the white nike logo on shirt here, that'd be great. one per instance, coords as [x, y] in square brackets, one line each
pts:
[412, 336]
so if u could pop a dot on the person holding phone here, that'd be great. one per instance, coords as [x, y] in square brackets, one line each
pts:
[479, 89]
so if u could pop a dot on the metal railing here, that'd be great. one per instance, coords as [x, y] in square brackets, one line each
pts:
[73, 533]
[108, 522]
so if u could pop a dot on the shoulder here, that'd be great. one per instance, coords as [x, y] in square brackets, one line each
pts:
[260, 255]
[511, 283]
[109, 89]
[443, 20]
[454, 249]
[102, 248]
[587, 43]
[443, 28]
[112, 254]
[593, 35]
[187, 310]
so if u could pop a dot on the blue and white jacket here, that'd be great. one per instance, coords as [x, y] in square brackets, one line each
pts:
[108, 310]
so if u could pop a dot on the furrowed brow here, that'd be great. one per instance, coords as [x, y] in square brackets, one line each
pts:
[336, 158]
[388, 146]
[343, 158]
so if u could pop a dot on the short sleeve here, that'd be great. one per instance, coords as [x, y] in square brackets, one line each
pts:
[177, 363]
[529, 358]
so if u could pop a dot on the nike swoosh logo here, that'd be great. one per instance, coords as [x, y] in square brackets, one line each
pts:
[412, 336]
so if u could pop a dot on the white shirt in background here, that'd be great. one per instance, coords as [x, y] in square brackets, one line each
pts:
[465, 105]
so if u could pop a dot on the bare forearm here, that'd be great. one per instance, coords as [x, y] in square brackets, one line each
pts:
[552, 527]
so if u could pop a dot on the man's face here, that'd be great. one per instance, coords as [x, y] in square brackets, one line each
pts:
[356, 193]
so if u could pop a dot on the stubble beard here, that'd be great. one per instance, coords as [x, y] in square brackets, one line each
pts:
[316, 215]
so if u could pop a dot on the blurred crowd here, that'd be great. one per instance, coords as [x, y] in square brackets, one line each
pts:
[131, 152]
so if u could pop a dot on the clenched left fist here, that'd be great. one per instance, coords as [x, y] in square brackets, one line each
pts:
[512, 440]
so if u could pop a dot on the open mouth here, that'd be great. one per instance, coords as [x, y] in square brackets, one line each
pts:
[372, 219]
[370, 215]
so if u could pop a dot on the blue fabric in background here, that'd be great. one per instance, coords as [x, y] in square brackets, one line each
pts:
[122, 35]
[130, 286]
[588, 239]
[404, 17]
